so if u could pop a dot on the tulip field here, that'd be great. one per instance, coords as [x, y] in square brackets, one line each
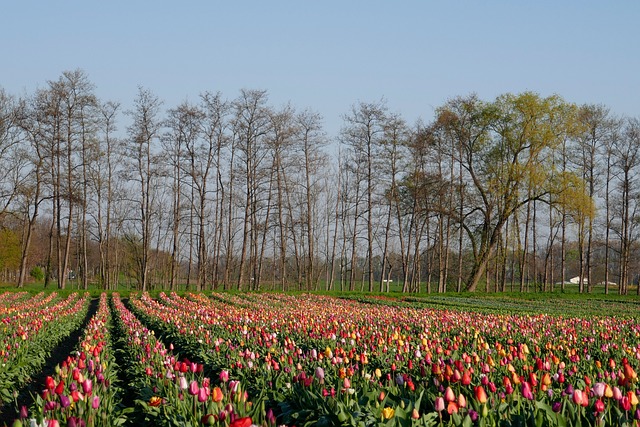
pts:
[220, 359]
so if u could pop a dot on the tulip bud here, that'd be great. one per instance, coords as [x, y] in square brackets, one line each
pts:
[439, 404]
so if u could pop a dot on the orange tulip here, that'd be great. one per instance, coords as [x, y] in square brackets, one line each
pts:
[216, 394]
[481, 395]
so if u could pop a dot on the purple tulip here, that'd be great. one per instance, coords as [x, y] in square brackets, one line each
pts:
[64, 401]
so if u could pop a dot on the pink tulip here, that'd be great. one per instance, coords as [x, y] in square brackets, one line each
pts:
[87, 386]
[598, 389]
[95, 402]
[449, 396]
[193, 388]
[526, 391]
[617, 394]
[182, 382]
[203, 394]
[439, 404]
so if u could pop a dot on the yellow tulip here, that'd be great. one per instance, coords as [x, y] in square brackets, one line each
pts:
[388, 413]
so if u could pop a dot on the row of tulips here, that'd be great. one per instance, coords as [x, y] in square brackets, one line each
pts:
[10, 301]
[82, 392]
[318, 356]
[31, 333]
[174, 392]
[563, 306]
[19, 312]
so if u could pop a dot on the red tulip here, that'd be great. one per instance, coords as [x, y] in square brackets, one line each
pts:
[241, 422]
[580, 398]
[452, 408]
[50, 383]
[466, 378]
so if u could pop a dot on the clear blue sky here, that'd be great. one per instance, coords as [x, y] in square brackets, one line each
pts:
[328, 55]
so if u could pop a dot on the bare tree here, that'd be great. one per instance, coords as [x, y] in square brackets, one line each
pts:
[204, 158]
[143, 134]
[363, 133]
[252, 124]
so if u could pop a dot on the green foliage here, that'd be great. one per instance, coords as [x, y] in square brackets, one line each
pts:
[37, 273]
[10, 249]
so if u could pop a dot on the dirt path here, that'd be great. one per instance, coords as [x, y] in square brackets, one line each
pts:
[58, 354]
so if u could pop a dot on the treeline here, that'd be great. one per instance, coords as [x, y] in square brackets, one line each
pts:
[519, 193]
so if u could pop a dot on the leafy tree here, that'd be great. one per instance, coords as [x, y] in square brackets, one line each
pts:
[504, 147]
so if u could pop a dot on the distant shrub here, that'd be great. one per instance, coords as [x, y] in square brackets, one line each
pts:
[37, 273]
